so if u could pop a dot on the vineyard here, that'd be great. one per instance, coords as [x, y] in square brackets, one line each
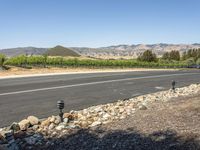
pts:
[45, 61]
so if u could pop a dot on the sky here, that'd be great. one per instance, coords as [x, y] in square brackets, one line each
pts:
[97, 23]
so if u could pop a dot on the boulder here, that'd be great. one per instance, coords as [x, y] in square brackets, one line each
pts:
[33, 120]
[24, 124]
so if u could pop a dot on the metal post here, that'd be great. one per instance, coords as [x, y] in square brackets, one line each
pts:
[173, 85]
[61, 105]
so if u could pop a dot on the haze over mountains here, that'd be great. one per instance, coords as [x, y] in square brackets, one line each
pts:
[118, 50]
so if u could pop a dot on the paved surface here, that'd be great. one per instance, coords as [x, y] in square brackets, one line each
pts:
[26, 96]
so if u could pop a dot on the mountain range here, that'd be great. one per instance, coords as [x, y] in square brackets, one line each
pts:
[117, 50]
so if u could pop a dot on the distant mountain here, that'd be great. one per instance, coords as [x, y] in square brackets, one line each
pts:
[113, 51]
[133, 50]
[23, 50]
[61, 51]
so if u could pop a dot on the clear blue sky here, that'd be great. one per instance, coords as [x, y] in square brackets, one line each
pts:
[96, 23]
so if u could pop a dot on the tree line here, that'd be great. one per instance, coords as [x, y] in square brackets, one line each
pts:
[190, 57]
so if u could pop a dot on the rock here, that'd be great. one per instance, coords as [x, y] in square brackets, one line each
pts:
[2, 140]
[58, 120]
[52, 119]
[73, 127]
[1, 136]
[33, 120]
[54, 134]
[51, 126]
[106, 116]
[66, 120]
[96, 123]
[70, 116]
[24, 124]
[122, 117]
[98, 109]
[45, 123]
[83, 124]
[35, 127]
[60, 127]
[72, 112]
[142, 107]
[121, 110]
[14, 126]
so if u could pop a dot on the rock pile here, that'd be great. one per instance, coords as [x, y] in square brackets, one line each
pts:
[34, 131]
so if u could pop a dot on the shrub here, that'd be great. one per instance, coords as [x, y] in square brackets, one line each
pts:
[2, 60]
[148, 56]
[190, 61]
[19, 61]
[198, 61]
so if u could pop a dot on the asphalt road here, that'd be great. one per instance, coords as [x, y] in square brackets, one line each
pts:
[21, 97]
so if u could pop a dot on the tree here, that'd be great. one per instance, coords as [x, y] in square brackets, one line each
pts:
[192, 53]
[166, 56]
[148, 56]
[174, 55]
[2, 60]
[184, 56]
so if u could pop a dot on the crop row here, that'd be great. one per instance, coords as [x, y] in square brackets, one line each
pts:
[22, 61]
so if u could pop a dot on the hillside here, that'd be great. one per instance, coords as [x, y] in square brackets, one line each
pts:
[23, 50]
[61, 51]
[133, 50]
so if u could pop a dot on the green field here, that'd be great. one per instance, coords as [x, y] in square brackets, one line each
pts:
[42, 61]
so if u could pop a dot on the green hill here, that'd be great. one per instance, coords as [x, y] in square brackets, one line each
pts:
[61, 51]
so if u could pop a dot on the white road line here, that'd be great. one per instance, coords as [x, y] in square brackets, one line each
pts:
[92, 83]
[159, 87]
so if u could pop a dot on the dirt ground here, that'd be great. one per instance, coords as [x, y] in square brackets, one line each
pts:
[173, 125]
[16, 71]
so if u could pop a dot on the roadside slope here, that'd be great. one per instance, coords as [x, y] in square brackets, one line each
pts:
[171, 125]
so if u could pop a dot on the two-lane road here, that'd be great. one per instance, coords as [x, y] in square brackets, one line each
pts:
[21, 97]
